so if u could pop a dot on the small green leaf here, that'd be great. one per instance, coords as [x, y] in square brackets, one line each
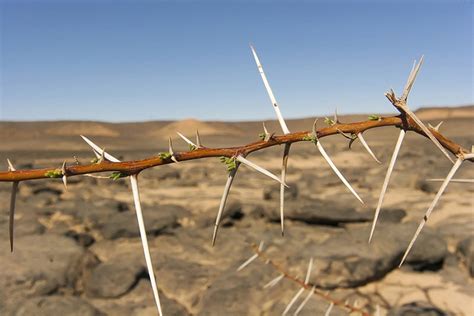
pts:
[117, 175]
[57, 173]
[262, 136]
[95, 160]
[374, 117]
[164, 156]
[192, 147]
[230, 163]
[329, 121]
[310, 138]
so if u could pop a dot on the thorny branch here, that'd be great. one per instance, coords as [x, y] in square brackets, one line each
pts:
[304, 284]
[234, 156]
[136, 166]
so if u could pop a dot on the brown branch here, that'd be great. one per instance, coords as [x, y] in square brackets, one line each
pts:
[136, 166]
[308, 286]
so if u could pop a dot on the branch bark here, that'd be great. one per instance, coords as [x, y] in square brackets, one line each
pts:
[136, 166]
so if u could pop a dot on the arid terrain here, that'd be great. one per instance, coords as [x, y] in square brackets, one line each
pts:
[78, 252]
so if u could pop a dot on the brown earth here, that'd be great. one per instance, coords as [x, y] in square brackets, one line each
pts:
[77, 252]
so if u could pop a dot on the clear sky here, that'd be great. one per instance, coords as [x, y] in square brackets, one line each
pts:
[155, 60]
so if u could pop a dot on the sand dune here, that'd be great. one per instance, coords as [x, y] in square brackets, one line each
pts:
[433, 113]
[190, 126]
[81, 128]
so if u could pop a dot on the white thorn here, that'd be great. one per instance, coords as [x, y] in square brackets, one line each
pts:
[336, 119]
[141, 224]
[293, 300]
[427, 132]
[436, 128]
[411, 78]
[283, 125]
[247, 262]
[252, 258]
[12, 211]
[268, 136]
[228, 184]
[198, 140]
[336, 171]
[364, 143]
[102, 155]
[328, 311]
[453, 180]
[386, 180]
[65, 182]
[284, 166]
[265, 129]
[97, 155]
[12, 205]
[274, 282]
[170, 150]
[63, 170]
[314, 131]
[186, 139]
[310, 294]
[433, 204]
[10, 165]
[146, 249]
[377, 310]
[468, 156]
[98, 149]
[308, 272]
[247, 162]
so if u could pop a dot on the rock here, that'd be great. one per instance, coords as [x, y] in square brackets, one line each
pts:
[164, 218]
[326, 213]
[427, 186]
[236, 293]
[39, 265]
[82, 239]
[169, 307]
[345, 259]
[47, 191]
[273, 192]
[392, 215]
[417, 309]
[112, 279]
[429, 252]
[232, 212]
[183, 279]
[319, 212]
[56, 305]
[465, 249]
[23, 226]
[169, 174]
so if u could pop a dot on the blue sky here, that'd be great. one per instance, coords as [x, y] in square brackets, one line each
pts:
[155, 60]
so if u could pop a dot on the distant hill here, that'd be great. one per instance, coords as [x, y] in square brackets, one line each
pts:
[64, 135]
[437, 113]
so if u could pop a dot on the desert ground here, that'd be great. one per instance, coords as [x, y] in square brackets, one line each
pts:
[78, 251]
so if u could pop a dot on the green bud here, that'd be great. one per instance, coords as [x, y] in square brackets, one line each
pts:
[164, 156]
[117, 175]
[374, 117]
[230, 163]
[329, 121]
[57, 173]
[310, 138]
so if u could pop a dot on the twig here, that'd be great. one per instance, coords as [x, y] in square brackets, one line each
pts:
[301, 282]
[136, 166]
